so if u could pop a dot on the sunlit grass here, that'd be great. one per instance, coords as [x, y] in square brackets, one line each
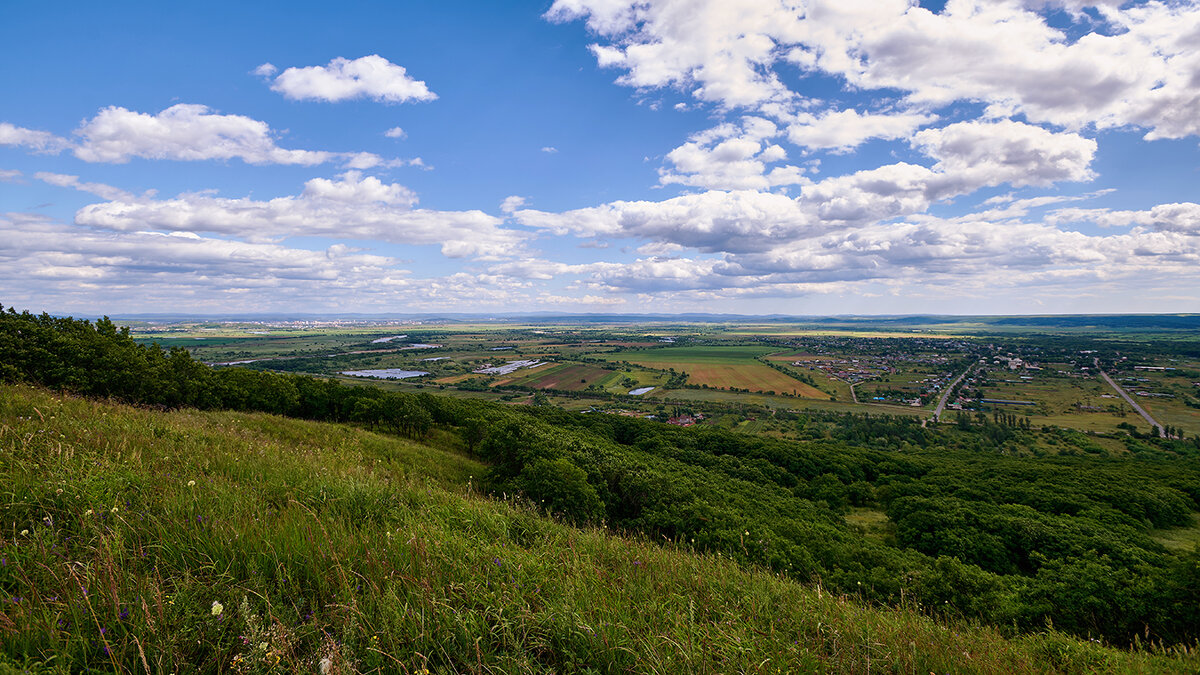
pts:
[136, 540]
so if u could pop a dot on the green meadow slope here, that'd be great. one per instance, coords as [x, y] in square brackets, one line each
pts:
[137, 540]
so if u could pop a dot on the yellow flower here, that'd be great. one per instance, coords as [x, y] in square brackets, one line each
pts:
[115, 509]
[191, 483]
[217, 608]
[24, 533]
[88, 512]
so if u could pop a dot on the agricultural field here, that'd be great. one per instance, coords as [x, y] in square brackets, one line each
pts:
[722, 367]
[1058, 396]
[566, 377]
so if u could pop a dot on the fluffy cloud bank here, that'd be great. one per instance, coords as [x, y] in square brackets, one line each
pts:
[48, 264]
[189, 132]
[1137, 66]
[1179, 217]
[963, 256]
[351, 207]
[969, 156]
[182, 132]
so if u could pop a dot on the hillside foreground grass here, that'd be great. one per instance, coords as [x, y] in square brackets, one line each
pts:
[137, 540]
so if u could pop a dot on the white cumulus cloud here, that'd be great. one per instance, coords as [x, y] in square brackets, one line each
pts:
[38, 141]
[990, 153]
[731, 157]
[372, 77]
[844, 130]
[185, 132]
[1138, 66]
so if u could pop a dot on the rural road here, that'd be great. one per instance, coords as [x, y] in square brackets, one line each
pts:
[1145, 415]
[937, 412]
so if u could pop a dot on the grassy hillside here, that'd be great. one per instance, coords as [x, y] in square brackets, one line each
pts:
[135, 540]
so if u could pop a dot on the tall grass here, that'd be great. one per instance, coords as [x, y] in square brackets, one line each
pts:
[142, 541]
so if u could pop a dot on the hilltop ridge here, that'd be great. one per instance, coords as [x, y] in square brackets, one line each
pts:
[246, 542]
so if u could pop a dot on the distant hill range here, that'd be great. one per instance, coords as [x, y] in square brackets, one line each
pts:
[1110, 321]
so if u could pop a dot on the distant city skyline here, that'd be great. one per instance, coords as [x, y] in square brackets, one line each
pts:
[747, 157]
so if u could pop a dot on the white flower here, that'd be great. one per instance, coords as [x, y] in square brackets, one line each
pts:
[88, 512]
[24, 533]
[115, 509]
[217, 608]
[191, 483]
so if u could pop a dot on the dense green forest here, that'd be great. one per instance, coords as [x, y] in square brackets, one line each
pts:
[1016, 542]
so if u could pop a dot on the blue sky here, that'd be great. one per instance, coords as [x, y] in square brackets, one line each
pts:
[803, 157]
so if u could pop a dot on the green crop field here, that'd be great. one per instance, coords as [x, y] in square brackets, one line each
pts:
[721, 367]
[567, 377]
[714, 354]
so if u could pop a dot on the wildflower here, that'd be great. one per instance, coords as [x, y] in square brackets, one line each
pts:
[115, 509]
[191, 483]
[24, 533]
[58, 491]
[217, 608]
[88, 512]
[263, 646]
[325, 665]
